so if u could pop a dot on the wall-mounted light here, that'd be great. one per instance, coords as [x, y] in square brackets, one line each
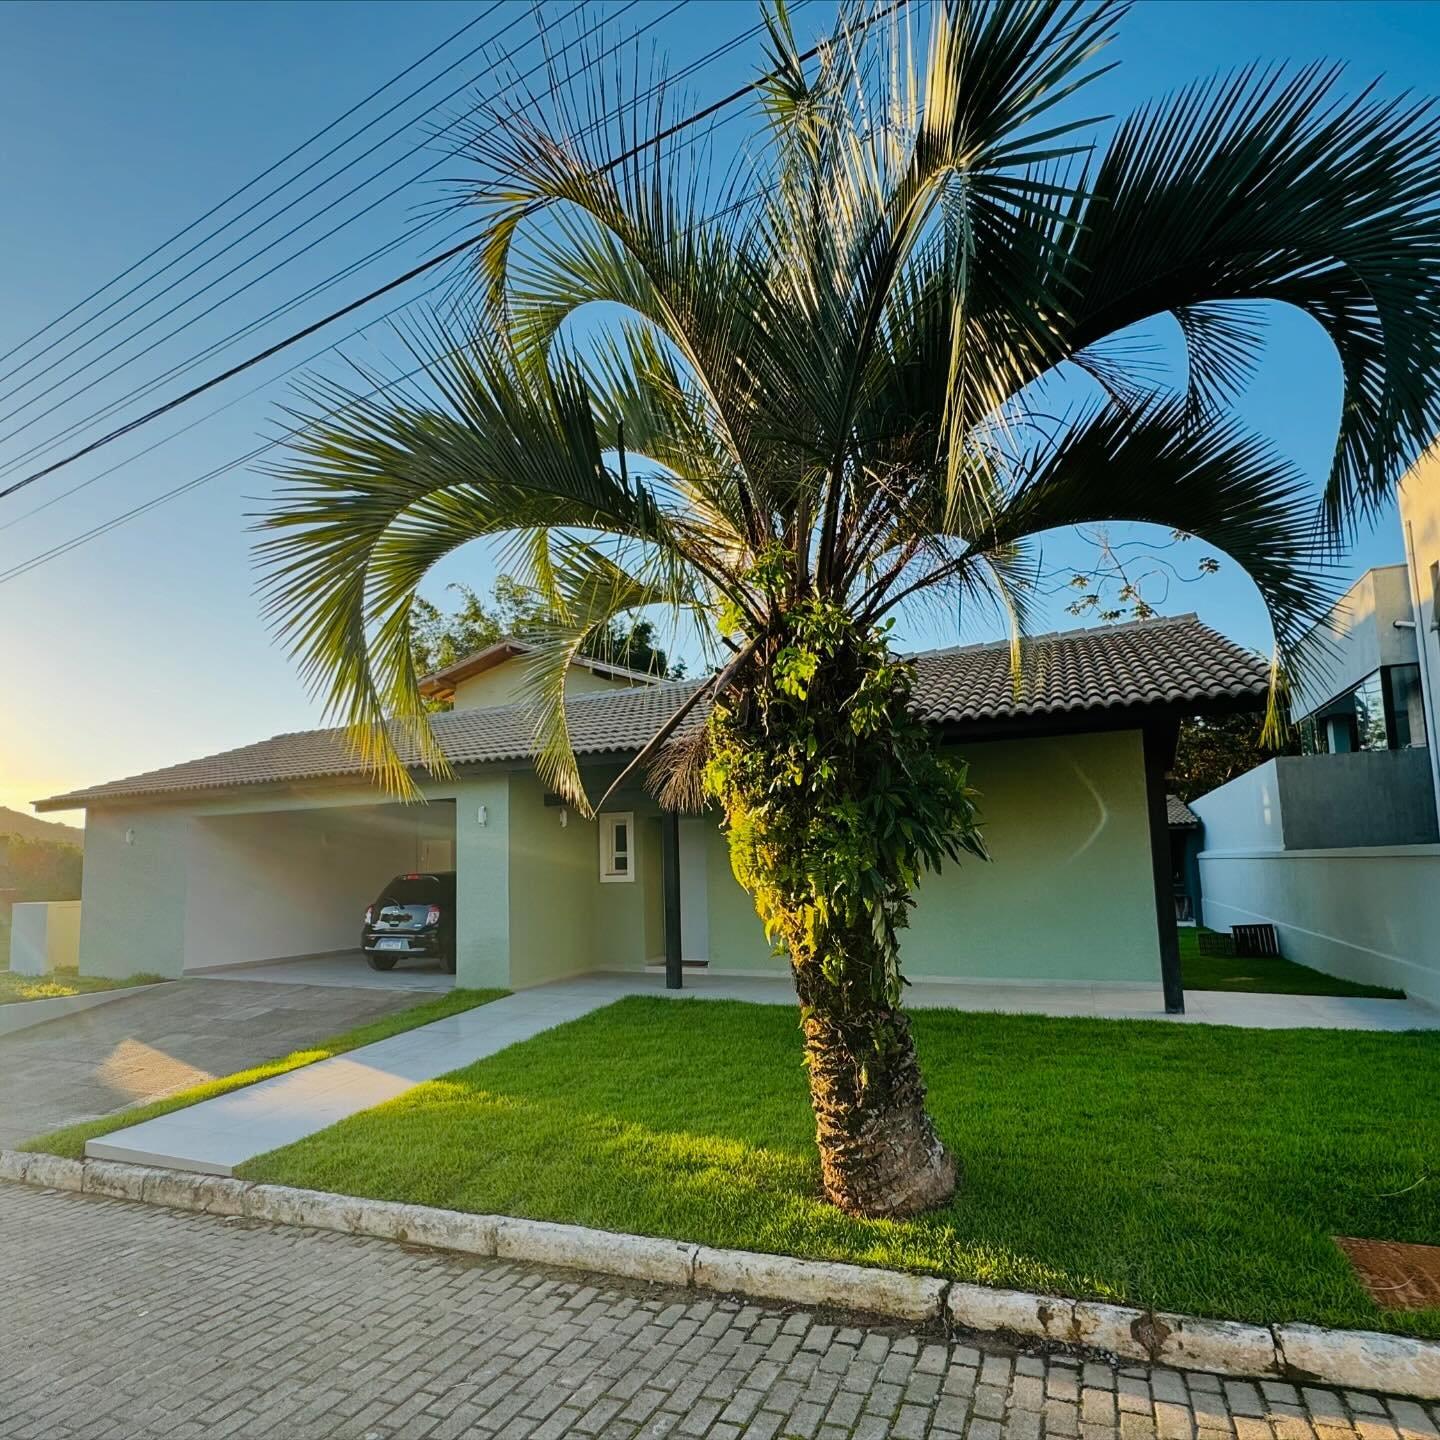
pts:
[130, 836]
[480, 816]
[564, 818]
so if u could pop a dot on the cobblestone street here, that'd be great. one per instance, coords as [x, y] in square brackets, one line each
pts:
[124, 1321]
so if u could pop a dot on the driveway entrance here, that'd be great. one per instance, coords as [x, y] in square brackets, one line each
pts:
[165, 1039]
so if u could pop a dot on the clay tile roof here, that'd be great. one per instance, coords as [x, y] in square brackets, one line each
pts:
[1172, 662]
[1179, 816]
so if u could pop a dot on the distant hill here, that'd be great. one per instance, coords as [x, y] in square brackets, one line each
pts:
[14, 822]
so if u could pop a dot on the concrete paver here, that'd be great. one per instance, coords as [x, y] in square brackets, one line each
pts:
[159, 1040]
[128, 1322]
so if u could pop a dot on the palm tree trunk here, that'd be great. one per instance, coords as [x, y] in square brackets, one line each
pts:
[835, 800]
[879, 1153]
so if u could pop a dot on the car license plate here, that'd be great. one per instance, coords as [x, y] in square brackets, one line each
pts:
[392, 944]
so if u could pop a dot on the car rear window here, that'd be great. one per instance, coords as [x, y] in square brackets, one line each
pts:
[413, 890]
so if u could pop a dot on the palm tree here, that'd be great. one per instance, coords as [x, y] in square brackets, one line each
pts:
[845, 393]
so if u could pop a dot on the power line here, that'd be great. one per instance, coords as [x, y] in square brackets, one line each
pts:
[239, 240]
[335, 347]
[254, 390]
[630, 153]
[185, 487]
[183, 366]
[235, 195]
[17, 461]
[73, 428]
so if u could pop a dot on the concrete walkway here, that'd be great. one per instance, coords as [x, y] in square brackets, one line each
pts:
[217, 1135]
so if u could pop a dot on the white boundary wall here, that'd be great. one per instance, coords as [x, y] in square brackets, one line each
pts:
[44, 937]
[1371, 915]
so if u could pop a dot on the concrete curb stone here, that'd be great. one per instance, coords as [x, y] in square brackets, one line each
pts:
[1224, 1347]
[14, 1165]
[118, 1182]
[54, 1172]
[574, 1247]
[205, 1194]
[1361, 1359]
[820, 1282]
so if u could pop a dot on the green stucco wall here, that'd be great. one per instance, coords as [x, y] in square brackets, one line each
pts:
[563, 919]
[552, 884]
[482, 881]
[1067, 895]
[133, 896]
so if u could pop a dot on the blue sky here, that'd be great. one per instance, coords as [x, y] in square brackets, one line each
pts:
[146, 646]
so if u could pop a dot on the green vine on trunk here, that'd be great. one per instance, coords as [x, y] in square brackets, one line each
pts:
[836, 800]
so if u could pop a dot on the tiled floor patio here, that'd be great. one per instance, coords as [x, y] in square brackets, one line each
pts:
[348, 970]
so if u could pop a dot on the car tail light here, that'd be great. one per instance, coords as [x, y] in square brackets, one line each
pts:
[432, 915]
[369, 914]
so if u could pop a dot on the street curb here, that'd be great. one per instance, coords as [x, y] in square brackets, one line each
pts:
[1355, 1359]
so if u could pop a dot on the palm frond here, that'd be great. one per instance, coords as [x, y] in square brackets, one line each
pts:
[378, 492]
[1271, 186]
[1218, 483]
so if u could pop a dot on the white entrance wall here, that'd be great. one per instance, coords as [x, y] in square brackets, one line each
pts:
[44, 936]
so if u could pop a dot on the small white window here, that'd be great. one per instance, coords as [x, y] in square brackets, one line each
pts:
[617, 847]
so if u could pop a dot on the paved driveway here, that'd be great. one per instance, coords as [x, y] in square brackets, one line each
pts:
[126, 1322]
[160, 1040]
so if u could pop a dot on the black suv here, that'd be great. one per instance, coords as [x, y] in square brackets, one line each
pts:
[415, 915]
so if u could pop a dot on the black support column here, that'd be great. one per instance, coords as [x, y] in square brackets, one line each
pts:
[1159, 751]
[670, 869]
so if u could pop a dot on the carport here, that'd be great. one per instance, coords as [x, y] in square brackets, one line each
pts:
[291, 885]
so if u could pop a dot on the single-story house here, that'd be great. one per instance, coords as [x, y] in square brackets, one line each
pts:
[275, 849]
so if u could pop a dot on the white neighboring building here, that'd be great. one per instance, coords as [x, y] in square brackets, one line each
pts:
[1337, 847]
[1420, 522]
[1362, 688]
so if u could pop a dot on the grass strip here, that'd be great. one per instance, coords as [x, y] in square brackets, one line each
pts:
[16, 988]
[1256, 976]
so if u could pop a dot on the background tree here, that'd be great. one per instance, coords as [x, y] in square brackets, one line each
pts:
[841, 393]
[1214, 750]
[441, 637]
[32, 869]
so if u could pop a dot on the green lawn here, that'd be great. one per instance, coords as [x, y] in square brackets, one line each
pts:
[14, 987]
[70, 1140]
[1193, 1168]
[1263, 977]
